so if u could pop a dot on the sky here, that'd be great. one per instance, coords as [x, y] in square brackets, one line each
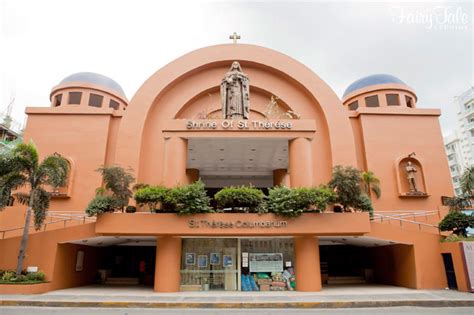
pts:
[429, 45]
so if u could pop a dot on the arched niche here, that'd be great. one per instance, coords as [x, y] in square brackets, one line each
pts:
[404, 187]
[65, 191]
[207, 105]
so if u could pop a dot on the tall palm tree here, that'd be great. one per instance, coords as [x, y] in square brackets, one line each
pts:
[371, 184]
[20, 169]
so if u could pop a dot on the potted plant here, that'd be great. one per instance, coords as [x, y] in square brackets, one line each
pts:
[241, 198]
[151, 196]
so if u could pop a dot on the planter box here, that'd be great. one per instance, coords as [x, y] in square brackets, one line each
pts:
[232, 224]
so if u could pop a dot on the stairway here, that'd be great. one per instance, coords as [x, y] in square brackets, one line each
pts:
[122, 281]
[346, 280]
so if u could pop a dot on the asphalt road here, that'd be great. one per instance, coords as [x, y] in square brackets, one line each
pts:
[146, 311]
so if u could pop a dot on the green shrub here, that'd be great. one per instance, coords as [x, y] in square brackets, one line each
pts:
[131, 209]
[20, 278]
[189, 199]
[8, 275]
[101, 204]
[31, 276]
[365, 204]
[281, 202]
[293, 202]
[239, 197]
[457, 222]
[457, 238]
[35, 276]
[152, 196]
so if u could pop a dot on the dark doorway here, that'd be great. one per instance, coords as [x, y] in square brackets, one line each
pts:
[449, 268]
[124, 264]
[345, 264]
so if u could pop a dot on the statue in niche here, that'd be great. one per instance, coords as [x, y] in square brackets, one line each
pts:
[411, 173]
[235, 93]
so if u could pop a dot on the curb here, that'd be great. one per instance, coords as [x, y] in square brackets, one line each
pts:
[243, 305]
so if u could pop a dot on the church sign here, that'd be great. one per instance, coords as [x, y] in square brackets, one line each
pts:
[238, 125]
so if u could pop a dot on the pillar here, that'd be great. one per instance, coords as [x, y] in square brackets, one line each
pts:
[300, 162]
[175, 161]
[192, 174]
[279, 177]
[307, 264]
[168, 264]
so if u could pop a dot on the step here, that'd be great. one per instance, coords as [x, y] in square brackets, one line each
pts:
[122, 281]
[346, 280]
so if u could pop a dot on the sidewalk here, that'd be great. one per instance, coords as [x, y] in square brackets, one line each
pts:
[348, 296]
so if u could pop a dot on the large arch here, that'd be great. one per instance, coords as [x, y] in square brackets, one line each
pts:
[163, 95]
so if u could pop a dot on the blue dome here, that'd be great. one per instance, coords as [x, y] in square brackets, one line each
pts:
[373, 79]
[95, 79]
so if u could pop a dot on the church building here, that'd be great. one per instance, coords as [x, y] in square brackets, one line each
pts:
[231, 115]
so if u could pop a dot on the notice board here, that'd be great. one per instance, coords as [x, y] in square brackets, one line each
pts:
[267, 262]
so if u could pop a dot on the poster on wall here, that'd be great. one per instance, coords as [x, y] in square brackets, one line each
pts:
[202, 261]
[190, 259]
[215, 259]
[80, 260]
[228, 261]
[271, 262]
[468, 248]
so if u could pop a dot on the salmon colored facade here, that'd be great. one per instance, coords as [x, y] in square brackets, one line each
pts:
[172, 132]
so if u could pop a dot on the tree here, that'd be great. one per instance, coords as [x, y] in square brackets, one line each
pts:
[457, 222]
[116, 191]
[346, 184]
[467, 181]
[117, 181]
[371, 184]
[464, 200]
[20, 168]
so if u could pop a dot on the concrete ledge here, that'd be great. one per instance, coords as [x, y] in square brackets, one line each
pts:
[25, 288]
[232, 224]
[244, 305]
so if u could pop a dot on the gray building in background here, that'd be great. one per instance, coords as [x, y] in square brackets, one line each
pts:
[459, 145]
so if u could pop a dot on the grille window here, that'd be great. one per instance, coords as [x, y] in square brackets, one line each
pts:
[95, 100]
[113, 104]
[393, 100]
[353, 105]
[75, 98]
[372, 101]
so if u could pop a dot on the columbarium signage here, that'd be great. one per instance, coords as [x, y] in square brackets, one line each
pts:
[236, 224]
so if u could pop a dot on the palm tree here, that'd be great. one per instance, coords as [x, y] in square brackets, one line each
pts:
[371, 184]
[20, 169]
[467, 181]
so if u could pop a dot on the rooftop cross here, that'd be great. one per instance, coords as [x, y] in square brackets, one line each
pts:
[234, 37]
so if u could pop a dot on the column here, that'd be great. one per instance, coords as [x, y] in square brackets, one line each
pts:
[279, 177]
[307, 264]
[168, 264]
[175, 161]
[300, 162]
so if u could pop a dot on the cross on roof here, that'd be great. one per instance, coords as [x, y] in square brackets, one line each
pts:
[234, 37]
